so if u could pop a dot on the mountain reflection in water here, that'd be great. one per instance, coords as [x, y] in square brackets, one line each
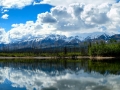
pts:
[59, 75]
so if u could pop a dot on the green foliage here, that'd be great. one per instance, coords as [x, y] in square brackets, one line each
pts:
[113, 66]
[112, 48]
[16, 54]
[103, 49]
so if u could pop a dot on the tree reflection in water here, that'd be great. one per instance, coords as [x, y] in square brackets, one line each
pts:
[59, 74]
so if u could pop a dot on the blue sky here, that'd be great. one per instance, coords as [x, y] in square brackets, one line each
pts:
[27, 13]
[25, 19]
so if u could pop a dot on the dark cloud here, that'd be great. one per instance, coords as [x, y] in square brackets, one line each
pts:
[47, 18]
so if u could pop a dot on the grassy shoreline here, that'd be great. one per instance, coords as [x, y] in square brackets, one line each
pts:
[51, 56]
[41, 57]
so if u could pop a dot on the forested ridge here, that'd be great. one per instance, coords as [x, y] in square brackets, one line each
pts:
[88, 48]
[105, 49]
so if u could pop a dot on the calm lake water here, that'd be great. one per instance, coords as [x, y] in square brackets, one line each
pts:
[59, 75]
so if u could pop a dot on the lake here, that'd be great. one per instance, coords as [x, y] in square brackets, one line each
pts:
[84, 74]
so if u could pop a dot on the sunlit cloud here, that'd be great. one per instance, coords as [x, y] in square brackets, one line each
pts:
[67, 2]
[5, 16]
[69, 19]
[15, 3]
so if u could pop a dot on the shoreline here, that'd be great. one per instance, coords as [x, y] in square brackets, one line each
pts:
[78, 57]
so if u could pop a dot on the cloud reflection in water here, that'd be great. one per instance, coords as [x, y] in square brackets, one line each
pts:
[65, 80]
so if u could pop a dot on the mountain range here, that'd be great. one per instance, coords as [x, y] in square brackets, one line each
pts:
[59, 40]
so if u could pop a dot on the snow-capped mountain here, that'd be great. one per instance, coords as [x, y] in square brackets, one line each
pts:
[59, 40]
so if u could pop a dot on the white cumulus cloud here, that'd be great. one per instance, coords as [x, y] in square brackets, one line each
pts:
[67, 2]
[69, 20]
[15, 3]
[5, 16]
[3, 11]
[29, 30]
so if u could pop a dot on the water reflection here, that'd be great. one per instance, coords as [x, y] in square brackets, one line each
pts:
[59, 75]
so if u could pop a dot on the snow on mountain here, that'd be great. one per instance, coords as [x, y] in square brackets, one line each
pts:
[55, 39]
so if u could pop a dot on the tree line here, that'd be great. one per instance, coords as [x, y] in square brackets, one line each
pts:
[88, 48]
[111, 48]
